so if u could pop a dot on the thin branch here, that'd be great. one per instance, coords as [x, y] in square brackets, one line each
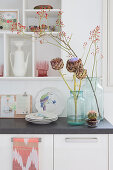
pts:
[59, 42]
[79, 88]
[66, 45]
[74, 78]
[88, 53]
[59, 47]
[94, 96]
[94, 61]
[64, 80]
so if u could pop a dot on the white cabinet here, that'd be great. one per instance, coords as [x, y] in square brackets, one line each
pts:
[110, 152]
[81, 152]
[64, 152]
[45, 151]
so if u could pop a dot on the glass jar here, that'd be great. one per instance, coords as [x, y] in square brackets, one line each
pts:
[93, 103]
[76, 108]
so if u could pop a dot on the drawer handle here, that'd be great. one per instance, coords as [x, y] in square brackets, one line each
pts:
[39, 139]
[81, 140]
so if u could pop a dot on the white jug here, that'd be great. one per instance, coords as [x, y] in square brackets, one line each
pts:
[20, 65]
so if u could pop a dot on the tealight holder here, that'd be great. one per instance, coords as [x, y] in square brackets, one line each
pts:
[42, 68]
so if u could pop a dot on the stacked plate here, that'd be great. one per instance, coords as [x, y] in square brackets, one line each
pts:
[41, 118]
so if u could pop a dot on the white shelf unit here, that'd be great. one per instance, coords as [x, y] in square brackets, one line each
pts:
[31, 46]
[30, 4]
[30, 17]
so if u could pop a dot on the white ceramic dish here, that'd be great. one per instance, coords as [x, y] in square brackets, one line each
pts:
[50, 100]
[41, 118]
[40, 122]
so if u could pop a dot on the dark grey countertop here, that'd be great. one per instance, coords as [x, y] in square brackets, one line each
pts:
[20, 126]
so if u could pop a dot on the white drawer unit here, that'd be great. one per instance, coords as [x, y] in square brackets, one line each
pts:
[64, 152]
[81, 152]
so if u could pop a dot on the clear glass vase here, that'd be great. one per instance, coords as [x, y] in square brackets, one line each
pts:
[92, 103]
[76, 108]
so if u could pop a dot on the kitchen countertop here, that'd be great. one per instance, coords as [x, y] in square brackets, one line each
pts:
[20, 126]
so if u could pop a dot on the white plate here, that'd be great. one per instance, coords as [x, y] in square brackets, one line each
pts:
[29, 120]
[41, 116]
[44, 120]
[50, 100]
[40, 122]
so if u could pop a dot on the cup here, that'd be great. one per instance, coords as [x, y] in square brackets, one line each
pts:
[42, 67]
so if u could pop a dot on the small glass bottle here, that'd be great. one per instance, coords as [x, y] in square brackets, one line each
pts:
[76, 108]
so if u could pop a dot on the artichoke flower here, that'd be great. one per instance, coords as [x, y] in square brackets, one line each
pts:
[81, 75]
[57, 63]
[75, 65]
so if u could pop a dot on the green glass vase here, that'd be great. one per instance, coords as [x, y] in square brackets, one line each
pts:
[76, 108]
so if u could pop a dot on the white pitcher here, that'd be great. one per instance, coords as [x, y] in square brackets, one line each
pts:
[20, 64]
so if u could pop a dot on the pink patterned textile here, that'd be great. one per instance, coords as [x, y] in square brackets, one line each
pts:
[25, 154]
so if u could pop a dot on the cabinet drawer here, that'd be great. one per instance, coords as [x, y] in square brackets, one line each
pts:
[88, 152]
[45, 151]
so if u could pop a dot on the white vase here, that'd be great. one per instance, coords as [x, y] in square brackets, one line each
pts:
[20, 64]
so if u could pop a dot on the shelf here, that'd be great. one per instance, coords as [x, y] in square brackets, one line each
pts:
[36, 78]
[9, 32]
[68, 78]
[47, 33]
[33, 12]
[30, 4]
[7, 10]
[14, 33]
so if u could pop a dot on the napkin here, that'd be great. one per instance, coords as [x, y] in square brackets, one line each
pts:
[25, 154]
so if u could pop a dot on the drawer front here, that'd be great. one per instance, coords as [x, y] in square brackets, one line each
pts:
[81, 152]
[45, 151]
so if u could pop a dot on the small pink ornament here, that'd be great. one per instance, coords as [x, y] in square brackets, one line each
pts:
[42, 67]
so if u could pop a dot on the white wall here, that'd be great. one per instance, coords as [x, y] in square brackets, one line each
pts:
[80, 17]
[87, 14]
[32, 87]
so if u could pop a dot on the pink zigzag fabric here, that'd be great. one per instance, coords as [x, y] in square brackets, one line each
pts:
[25, 154]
